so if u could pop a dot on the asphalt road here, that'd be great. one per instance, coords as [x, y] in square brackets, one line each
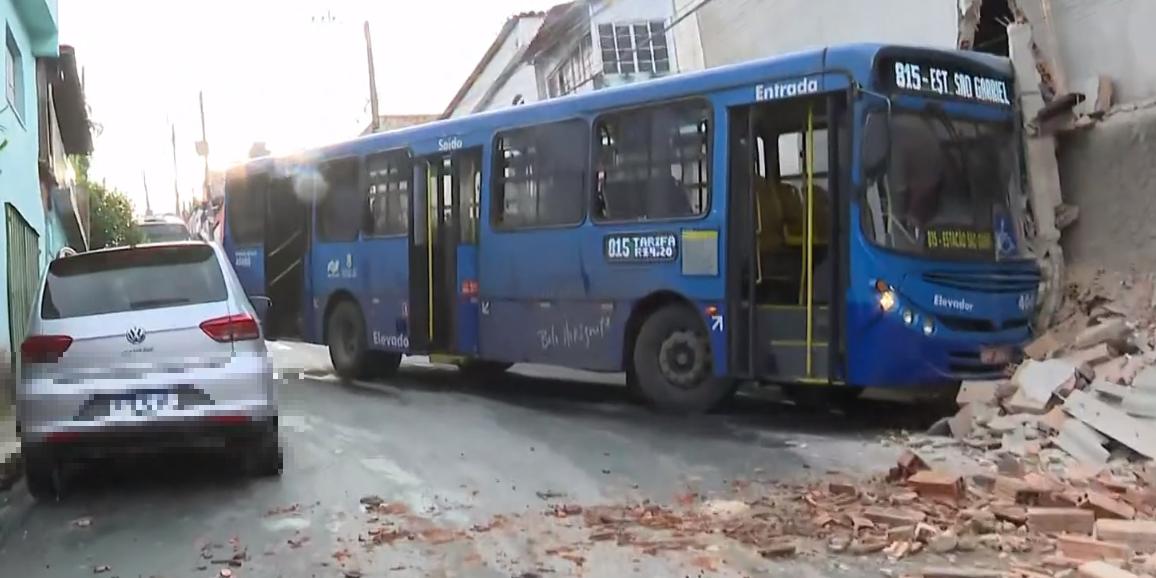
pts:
[447, 456]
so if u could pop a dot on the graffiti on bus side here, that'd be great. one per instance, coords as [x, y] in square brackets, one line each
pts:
[571, 334]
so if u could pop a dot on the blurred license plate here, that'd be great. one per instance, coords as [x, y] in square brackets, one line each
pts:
[995, 355]
[141, 404]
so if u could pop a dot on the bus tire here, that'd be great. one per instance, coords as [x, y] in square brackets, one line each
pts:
[383, 364]
[345, 336]
[672, 362]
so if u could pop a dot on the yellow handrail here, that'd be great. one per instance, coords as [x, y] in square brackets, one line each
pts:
[810, 250]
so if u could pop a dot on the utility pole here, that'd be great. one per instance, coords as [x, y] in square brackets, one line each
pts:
[203, 146]
[373, 107]
[176, 181]
[148, 206]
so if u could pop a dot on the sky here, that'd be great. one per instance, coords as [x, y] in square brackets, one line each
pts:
[290, 73]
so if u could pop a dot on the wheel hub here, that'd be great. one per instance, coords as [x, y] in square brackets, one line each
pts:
[682, 358]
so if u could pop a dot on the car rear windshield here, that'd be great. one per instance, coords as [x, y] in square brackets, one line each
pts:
[164, 232]
[132, 280]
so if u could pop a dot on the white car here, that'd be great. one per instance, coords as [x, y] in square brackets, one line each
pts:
[153, 347]
[164, 230]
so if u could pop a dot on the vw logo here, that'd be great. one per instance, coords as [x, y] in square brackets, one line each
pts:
[135, 336]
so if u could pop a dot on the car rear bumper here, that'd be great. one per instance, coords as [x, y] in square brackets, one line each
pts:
[233, 393]
[204, 432]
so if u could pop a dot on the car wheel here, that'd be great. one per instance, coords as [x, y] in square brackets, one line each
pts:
[267, 460]
[481, 369]
[672, 363]
[345, 332]
[44, 476]
[383, 363]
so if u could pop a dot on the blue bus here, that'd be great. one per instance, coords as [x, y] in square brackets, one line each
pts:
[828, 220]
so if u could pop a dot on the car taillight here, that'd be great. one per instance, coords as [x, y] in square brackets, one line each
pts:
[44, 348]
[232, 328]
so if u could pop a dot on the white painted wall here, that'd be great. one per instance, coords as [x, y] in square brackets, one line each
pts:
[523, 82]
[523, 32]
[1112, 37]
[738, 30]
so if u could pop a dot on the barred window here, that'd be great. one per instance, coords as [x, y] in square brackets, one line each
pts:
[633, 48]
[653, 163]
[390, 185]
[540, 177]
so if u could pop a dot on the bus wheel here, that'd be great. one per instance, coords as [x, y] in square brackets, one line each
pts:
[672, 362]
[482, 369]
[345, 329]
[383, 363]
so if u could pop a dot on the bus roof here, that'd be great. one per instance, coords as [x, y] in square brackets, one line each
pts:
[856, 60]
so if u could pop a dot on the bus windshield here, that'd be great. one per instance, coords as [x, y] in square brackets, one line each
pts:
[947, 190]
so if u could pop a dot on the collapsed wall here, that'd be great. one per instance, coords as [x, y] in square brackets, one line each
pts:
[1109, 172]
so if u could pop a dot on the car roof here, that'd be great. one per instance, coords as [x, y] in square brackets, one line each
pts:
[161, 220]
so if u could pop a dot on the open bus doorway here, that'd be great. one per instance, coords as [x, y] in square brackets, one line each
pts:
[286, 246]
[443, 254]
[783, 197]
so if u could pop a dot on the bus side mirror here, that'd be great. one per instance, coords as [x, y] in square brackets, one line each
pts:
[876, 145]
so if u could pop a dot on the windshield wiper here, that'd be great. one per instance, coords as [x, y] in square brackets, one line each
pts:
[936, 111]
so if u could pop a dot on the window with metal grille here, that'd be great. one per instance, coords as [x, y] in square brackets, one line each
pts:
[390, 182]
[653, 163]
[540, 177]
[634, 48]
[576, 70]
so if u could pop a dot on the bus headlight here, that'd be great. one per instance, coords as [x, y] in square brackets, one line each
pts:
[887, 298]
[908, 317]
[928, 326]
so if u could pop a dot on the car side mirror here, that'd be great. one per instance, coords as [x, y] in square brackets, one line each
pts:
[262, 305]
[876, 145]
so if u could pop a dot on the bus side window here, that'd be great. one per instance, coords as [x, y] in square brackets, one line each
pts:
[540, 177]
[342, 203]
[653, 163]
[390, 180]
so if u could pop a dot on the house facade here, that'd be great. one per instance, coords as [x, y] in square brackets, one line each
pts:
[43, 120]
[572, 48]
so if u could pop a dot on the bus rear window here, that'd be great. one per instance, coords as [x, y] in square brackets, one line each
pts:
[245, 206]
[132, 280]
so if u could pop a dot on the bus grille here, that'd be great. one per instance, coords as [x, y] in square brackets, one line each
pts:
[980, 325]
[994, 282]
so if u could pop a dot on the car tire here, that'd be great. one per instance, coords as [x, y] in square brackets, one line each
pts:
[672, 362]
[267, 460]
[345, 336]
[43, 475]
[383, 364]
[482, 369]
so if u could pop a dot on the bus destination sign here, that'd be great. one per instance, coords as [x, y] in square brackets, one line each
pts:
[943, 81]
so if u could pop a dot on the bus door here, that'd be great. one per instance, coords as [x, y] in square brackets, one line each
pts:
[783, 196]
[443, 254]
[287, 225]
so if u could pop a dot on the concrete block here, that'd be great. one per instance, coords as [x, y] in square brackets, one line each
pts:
[1100, 569]
[1108, 330]
[1083, 443]
[933, 484]
[1090, 549]
[1140, 535]
[982, 392]
[1039, 380]
[1112, 422]
[1061, 520]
